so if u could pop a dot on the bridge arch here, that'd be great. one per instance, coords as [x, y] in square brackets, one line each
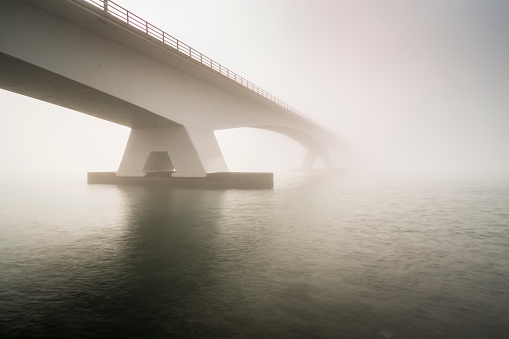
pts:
[315, 149]
[283, 146]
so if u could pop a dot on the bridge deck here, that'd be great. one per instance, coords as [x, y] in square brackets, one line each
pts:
[180, 54]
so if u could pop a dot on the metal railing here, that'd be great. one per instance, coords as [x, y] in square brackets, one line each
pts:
[169, 41]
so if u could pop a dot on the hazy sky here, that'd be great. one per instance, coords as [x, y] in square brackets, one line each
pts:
[415, 87]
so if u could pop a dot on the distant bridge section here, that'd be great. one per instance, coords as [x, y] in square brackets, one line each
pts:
[97, 58]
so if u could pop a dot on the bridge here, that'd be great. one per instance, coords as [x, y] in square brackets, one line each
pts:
[96, 57]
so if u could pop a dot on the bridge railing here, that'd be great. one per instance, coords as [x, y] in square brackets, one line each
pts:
[167, 40]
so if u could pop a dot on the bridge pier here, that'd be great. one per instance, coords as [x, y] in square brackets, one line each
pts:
[188, 151]
[310, 159]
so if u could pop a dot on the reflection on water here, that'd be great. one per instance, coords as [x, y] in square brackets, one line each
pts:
[315, 257]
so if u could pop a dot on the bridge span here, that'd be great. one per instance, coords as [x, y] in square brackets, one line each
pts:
[95, 57]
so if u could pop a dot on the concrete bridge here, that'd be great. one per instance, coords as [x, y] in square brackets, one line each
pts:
[95, 57]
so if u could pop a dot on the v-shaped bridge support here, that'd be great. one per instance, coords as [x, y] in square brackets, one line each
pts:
[189, 152]
[311, 157]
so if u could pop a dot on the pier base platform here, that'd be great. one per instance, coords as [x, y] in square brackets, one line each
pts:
[221, 180]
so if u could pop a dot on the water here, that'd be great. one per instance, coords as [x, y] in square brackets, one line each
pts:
[317, 257]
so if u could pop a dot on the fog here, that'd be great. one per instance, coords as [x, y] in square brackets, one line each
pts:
[414, 88]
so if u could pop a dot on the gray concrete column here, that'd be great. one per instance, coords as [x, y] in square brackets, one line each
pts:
[312, 155]
[192, 152]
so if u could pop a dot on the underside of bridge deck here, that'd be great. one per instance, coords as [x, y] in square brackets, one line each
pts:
[68, 54]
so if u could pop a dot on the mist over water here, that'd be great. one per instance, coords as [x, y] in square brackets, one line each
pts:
[316, 257]
[413, 88]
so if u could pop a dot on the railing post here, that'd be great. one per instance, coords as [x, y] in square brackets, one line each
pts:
[105, 5]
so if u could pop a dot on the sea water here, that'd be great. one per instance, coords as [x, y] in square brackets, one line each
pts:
[318, 256]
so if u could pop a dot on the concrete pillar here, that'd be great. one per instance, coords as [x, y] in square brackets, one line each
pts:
[311, 157]
[192, 152]
[327, 160]
[309, 161]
